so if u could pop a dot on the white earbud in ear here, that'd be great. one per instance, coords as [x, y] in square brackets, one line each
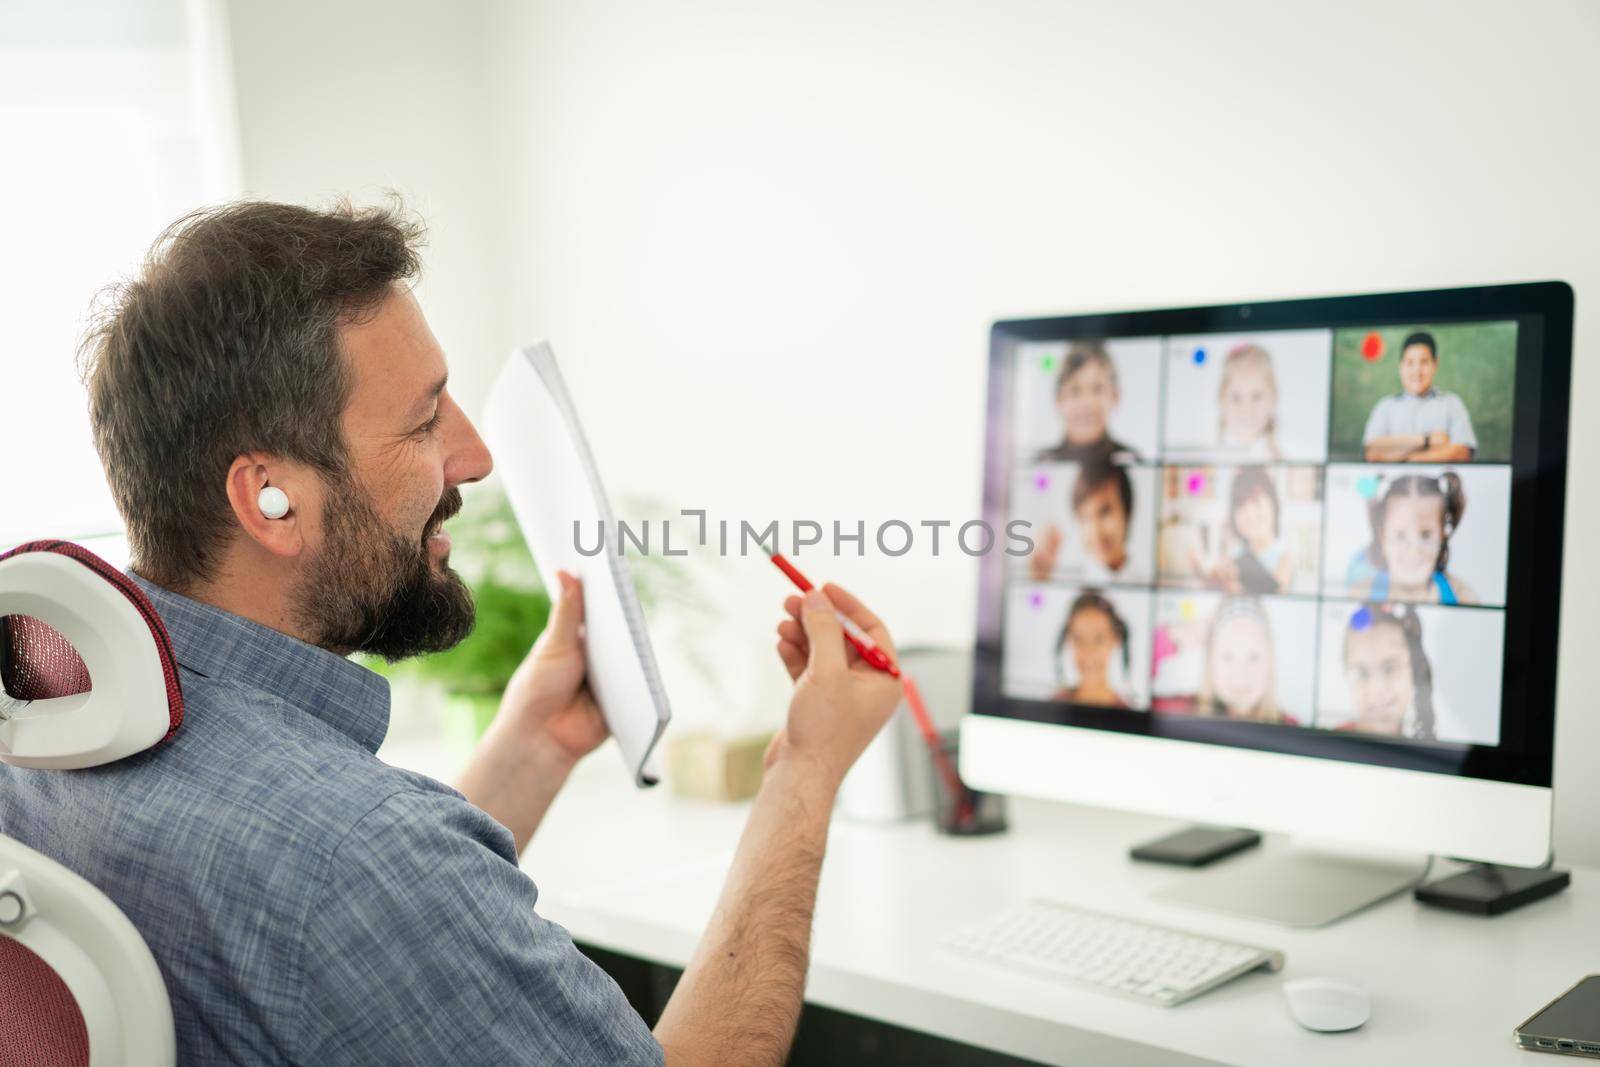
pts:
[274, 502]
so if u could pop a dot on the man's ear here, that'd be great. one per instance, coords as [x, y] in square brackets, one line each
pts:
[247, 477]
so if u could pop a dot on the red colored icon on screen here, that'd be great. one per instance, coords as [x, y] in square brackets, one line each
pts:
[1372, 347]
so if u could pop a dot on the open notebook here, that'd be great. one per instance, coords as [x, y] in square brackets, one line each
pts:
[551, 478]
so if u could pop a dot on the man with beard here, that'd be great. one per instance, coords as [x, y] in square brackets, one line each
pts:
[273, 415]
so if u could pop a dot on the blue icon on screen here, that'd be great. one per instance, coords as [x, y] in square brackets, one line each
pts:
[1199, 357]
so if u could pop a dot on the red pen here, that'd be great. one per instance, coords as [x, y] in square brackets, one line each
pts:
[865, 645]
[878, 658]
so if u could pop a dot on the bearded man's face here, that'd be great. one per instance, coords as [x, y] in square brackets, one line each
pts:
[377, 577]
[375, 589]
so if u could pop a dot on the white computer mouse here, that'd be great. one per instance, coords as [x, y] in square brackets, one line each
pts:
[1327, 1004]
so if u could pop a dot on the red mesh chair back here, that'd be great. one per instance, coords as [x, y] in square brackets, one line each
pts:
[40, 1024]
[74, 972]
[55, 592]
[37, 663]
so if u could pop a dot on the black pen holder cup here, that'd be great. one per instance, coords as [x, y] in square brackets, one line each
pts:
[959, 810]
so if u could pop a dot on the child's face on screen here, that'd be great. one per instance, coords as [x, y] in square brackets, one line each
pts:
[1417, 368]
[1254, 519]
[1085, 401]
[1093, 640]
[1377, 667]
[1248, 403]
[1103, 524]
[1241, 665]
[1413, 531]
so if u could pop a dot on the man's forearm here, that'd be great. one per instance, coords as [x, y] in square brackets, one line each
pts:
[514, 779]
[739, 998]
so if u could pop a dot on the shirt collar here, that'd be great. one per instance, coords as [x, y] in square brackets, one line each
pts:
[217, 644]
[1429, 395]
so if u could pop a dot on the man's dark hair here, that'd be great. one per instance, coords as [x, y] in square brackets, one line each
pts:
[1421, 337]
[1095, 475]
[227, 342]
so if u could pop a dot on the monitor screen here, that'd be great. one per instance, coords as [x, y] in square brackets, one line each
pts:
[1328, 527]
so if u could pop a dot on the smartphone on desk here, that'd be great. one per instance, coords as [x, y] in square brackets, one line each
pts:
[1570, 1024]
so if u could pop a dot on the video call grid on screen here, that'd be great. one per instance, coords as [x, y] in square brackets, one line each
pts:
[1275, 536]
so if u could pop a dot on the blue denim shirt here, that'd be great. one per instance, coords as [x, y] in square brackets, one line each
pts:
[307, 903]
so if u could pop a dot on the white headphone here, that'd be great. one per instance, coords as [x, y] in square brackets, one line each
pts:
[273, 502]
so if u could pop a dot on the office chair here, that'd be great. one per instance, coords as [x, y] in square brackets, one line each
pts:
[87, 677]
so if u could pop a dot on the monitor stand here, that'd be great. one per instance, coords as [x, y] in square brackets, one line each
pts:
[1298, 884]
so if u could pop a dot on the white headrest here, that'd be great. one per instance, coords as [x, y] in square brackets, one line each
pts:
[133, 700]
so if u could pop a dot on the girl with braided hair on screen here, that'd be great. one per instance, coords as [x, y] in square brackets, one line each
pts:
[1412, 524]
[1388, 673]
[1095, 636]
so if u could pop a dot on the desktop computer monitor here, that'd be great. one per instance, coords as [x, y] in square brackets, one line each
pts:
[1292, 565]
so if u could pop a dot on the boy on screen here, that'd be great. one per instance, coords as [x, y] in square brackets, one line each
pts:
[1102, 506]
[1420, 424]
[1102, 502]
[1086, 395]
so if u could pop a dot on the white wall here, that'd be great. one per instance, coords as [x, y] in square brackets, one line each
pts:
[767, 238]
[142, 83]
[364, 96]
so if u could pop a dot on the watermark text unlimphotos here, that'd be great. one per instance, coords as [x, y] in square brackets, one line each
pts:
[894, 537]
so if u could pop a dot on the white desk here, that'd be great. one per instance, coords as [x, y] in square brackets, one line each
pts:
[638, 873]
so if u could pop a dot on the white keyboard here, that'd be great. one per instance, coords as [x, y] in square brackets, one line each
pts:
[1152, 963]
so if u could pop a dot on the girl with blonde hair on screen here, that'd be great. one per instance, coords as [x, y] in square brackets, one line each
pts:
[1247, 404]
[1240, 665]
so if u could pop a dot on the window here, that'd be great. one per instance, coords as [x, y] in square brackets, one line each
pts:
[118, 118]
